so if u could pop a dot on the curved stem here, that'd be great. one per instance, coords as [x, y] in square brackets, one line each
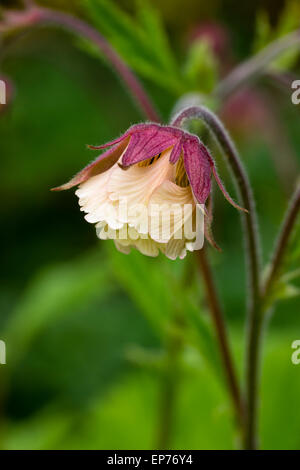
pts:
[253, 67]
[253, 260]
[36, 15]
[282, 80]
[222, 337]
[282, 242]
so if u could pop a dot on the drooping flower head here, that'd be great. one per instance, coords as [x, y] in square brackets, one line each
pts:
[165, 167]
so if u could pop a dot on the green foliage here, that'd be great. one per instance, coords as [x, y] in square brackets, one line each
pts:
[290, 270]
[283, 290]
[285, 285]
[56, 291]
[293, 256]
[43, 431]
[280, 389]
[147, 287]
[155, 287]
[203, 417]
[133, 404]
[201, 68]
[86, 327]
[141, 42]
[288, 22]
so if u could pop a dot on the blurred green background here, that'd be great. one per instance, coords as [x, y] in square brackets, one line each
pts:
[87, 329]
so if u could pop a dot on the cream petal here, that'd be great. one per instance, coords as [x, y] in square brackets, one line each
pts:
[93, 197]
[170, 206]
[94, 200]
[97, 214]
[193, 246]
[147, 247]
[174, 249]
[119, 203]
[96, 185]
[104, 232]
[194, 229]
[125, 249]
[136, 184]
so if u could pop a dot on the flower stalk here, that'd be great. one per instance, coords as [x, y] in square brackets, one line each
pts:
[253, 261]
[222, 336]
[282, 242]
[255, 66]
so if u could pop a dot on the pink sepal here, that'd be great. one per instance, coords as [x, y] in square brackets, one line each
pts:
[148, 141]
[103, 163]
[197, 166]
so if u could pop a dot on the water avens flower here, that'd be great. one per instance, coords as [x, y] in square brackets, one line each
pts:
[148, 190]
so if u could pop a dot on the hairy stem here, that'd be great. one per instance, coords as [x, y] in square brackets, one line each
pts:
[256, 65]
[35, 15]
[282, 80]
[282, 241]
[222, 337]
[253, 261]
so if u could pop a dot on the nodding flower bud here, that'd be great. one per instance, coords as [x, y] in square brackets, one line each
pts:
[164, 166]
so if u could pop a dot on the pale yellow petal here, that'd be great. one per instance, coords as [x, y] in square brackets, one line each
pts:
[174, 249]
[136, 184]
[125, 249]
[169, 207]
[147, 247]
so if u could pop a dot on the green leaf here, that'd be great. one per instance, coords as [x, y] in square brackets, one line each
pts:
[288, 22]
[286, 291]
[263, 31]
[53, 293]
[43, 431]
[288, 271]
[202, 418]
[157, 288]
[146, 359]
[291, 275]
[151, 22]
[201, 68]
[143, 280]
[290, 17]
[293, 256]
[142, 42]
